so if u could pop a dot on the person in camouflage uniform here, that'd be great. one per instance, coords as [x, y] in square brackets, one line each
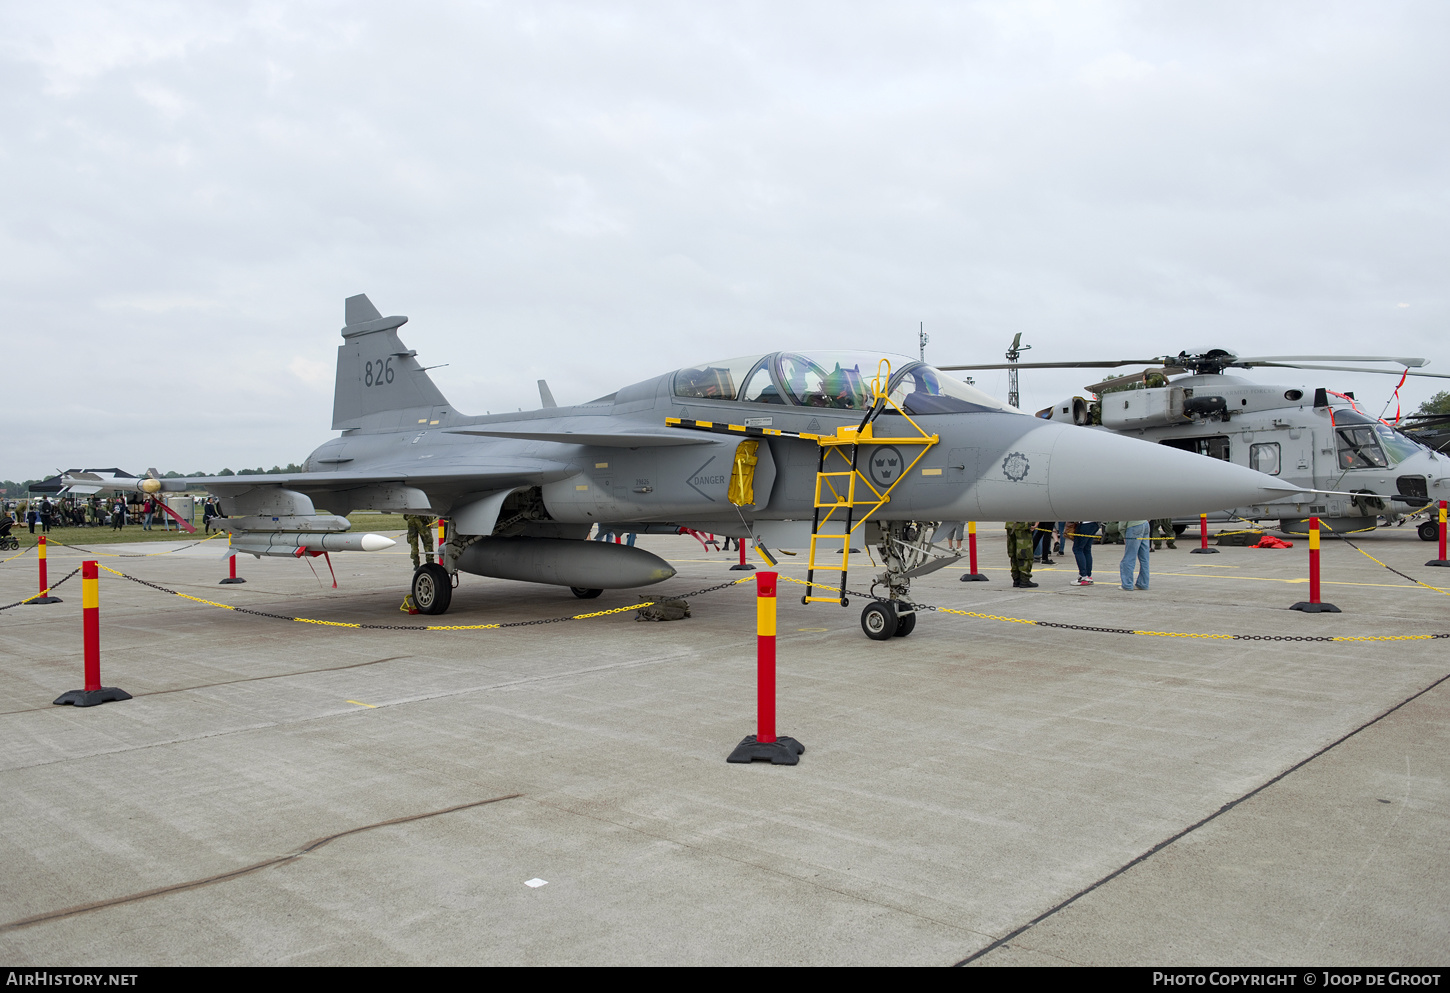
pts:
[1160, 529]
[420, 527]
[1019, 552]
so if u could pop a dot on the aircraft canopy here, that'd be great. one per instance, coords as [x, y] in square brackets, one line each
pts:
[841, 380]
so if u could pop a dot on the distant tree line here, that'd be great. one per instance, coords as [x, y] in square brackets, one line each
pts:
[1437, 404]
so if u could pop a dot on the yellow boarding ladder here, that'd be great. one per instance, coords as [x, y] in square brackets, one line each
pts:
[840, 492]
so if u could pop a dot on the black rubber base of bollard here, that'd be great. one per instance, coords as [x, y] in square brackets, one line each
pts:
[1317, 608]
[742, 567]
[973, 577]
[46, 599]
[1441, 562]
[89, 698]
[231, 579]
[1203, 551]
[781, 751]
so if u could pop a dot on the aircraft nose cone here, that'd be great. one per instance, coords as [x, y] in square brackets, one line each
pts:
[1096, 475]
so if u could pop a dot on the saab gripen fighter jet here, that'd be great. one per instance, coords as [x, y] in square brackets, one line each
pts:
[791, 449]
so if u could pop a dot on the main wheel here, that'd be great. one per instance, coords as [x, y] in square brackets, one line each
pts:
[432, 589]
[905, 623]
[1429, 531]
[878, 620]
[584, 594]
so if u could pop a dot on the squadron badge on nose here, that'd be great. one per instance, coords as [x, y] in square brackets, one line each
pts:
[1016, 467]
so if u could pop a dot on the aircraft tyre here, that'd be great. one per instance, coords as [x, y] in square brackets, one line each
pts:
[905, 623]
[879, 621]
[584, 594]
[1429, 531]
[432, 589]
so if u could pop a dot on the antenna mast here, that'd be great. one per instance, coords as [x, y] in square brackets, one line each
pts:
[922, 338]
[1013, 354]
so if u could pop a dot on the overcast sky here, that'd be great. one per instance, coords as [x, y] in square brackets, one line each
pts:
[595, 193]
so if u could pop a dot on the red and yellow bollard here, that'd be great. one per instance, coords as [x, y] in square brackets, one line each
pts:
[45, 596]
[764, 745]
[232, 576]
[743, 565]
[1313, 606]
[1442, 560]
[972, 576]
[94, 692]
[1203, 548]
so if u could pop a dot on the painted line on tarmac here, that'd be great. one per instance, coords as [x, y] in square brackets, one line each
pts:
[50, 708]
[221, 877]
[1000, 942]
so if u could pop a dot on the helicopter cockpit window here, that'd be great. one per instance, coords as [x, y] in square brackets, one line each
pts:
[1265, 458]
[714, 380]
[836, 381]
[1397, 446]
[920, 389]
[1358, 448]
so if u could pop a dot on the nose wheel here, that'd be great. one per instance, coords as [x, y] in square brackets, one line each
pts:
[882, 621]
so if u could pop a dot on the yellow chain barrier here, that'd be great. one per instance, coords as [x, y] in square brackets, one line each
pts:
[405, 627]
[1154, 634]
[133, 555]
[17, 555]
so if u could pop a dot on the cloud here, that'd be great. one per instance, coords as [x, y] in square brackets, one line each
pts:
[594, 193]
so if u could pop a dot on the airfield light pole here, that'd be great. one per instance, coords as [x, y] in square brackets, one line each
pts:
[922, 338]
[1013, 354]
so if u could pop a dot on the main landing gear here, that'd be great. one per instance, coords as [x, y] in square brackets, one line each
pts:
[882, 621]
[432, 589]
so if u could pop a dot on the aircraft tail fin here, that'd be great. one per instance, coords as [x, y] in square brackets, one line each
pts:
[377, 374]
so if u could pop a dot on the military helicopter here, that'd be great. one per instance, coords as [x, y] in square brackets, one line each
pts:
[802, 449]
[1361, 467]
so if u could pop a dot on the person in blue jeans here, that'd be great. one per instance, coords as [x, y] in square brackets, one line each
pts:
[1084, 534]
[1135, 550]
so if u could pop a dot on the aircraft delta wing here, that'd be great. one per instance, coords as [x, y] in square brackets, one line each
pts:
[793, 449]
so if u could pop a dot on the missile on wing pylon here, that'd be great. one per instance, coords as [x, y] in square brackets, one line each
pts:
[293, 543]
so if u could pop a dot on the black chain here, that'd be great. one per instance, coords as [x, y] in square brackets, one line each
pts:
[1102, 630]
[406, 627]
[128, 555]
[52, 586]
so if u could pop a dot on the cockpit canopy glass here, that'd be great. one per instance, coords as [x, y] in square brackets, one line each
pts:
[840, 380]
[714, 380]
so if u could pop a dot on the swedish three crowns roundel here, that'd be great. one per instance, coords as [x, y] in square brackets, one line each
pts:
[886, 465]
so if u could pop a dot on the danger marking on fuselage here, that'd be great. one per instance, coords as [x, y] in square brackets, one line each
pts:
[698, 479]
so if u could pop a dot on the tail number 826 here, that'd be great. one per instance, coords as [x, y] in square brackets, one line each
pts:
[378, 372]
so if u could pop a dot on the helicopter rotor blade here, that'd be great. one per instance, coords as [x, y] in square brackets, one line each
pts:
[1050, 365]
[1348, 368]
[1411, 363]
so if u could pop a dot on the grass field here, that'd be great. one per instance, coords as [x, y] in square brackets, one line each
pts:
[86, 537]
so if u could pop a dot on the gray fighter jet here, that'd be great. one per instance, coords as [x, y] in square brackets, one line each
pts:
[793, 449]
